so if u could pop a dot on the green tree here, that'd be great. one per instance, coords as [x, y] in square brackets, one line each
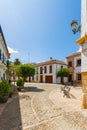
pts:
[7, 71]
[26, 70]
[63, 72]
[17, 61]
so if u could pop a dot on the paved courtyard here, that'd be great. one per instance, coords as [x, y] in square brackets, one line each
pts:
[43, 107]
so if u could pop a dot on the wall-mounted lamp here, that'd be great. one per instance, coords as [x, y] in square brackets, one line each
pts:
[75, 27]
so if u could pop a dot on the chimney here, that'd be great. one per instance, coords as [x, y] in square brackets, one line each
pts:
[51, 58]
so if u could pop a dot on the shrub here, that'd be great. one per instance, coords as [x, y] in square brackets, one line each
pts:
[63, 72]
[10, 91]
[5, 88]
[20, 82]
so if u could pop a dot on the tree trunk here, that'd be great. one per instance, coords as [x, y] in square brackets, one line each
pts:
[62, 80]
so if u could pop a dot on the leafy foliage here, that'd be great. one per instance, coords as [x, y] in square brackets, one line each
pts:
[17, 62]
[7, 71]
[20, 82]
[5, 88]
[63, 72]
[26, 70]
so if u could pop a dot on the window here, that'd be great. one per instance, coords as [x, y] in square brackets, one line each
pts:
[7, 63]
[3, 58]
[61, 66]
[50, 69]
[41, 70]
[0, 54]
[79, 76]
[37, 71]
[79, 62]
[3, 76]
[45, 69]
[70, 63]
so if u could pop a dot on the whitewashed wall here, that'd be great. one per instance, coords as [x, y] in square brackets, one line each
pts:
[58, 79]
[77, 69]
[2, 50]
[2, 67]
[83, 17]
[55, 68]
[84, 60]
[2, 71]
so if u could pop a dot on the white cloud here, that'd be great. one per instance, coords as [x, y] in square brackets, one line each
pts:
[79, 49]
[11, 50]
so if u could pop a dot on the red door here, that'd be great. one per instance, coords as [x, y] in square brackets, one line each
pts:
[49, 79]
[41, 78]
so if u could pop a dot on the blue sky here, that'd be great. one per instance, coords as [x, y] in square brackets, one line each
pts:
[36, 30]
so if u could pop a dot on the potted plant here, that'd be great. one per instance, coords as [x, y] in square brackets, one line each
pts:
[20, 84]
[4, 91]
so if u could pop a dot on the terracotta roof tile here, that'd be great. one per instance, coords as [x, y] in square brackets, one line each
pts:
[51, 62]
[75, 54]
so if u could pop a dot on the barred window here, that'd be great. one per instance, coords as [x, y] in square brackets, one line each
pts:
[50, 69]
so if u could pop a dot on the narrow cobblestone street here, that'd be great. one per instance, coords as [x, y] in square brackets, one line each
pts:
[43, 107]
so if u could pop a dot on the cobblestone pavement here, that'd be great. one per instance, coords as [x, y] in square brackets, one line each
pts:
[43, 107]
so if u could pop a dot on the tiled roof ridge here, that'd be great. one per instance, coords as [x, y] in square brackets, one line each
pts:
[74, 54]
[51, 61]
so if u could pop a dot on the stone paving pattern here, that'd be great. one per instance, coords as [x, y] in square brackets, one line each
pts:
[43, 107]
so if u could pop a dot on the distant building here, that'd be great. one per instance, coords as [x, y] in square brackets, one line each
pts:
[74, 65]
[4, 55]
[46, 71]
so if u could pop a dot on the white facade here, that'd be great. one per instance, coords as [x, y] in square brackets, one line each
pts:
[2, 73]
[4, 55]
[84, 57]
[2, 66]
[55, 68]
[58, 80]
[83, 32]
[77, 69]
[83, 17]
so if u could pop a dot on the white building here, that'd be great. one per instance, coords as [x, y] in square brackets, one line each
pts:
[46, 71]
[83, 44]
[4, 55]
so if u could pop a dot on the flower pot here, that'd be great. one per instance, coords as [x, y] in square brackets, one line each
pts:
[3, 99]
[10, 95]
[19, 89]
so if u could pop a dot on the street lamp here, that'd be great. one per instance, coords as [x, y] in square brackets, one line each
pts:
[75, 27]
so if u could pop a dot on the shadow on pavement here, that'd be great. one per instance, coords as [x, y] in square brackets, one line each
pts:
[10, 119]
[33, 89]
[72, 96]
